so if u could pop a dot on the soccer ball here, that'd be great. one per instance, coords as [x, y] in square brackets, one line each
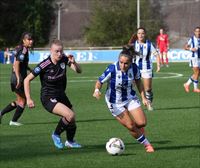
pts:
[115, 146]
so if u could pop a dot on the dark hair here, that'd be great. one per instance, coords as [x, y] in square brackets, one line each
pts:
[142, 28]
[128, 51]
[197, 27]
[134, 36]
[25, 35]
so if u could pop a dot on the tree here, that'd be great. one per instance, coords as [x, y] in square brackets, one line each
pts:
[113, 22]
[34, 16]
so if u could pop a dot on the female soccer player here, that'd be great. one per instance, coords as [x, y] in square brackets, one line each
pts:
[52, 73]
[120, 97]
[163, 46]
[145, 49]
[193, 45]
[19, 73]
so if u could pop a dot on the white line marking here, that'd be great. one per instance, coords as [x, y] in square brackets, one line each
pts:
[93, 78]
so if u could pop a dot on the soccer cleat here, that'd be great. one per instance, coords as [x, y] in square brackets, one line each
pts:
[196, 90]
[149, 107]
[13, 123]
[72, 144]
[57, 141]
[187, 87]
[149, 148]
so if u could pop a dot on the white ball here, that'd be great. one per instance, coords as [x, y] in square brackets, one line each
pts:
[115, 146]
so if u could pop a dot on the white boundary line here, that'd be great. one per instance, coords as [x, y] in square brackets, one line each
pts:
[88, 79]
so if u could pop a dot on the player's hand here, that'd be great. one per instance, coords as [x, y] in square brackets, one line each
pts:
[145, 101]
[71, 58]
[30, 103]
[18, 84]
[158, 68]
[97, 94]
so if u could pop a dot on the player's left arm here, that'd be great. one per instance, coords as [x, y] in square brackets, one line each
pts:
[73, 64]
[155, 53]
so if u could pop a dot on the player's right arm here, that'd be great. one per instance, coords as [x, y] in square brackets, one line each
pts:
[188, 46]
[29, 101]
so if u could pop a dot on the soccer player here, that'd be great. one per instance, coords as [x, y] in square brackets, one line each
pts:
[120, 97]
[52, 73]
[163, 46]
[143, 60]
[19, 72]
[193, 45]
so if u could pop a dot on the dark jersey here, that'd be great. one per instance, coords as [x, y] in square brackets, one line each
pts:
[53, 77]
[21, 55]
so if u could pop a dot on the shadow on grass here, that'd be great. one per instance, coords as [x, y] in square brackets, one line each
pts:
[178, 108]
[177, 147]
[78, 121]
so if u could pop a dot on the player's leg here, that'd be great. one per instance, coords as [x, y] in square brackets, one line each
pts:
[195, 77]
[194, 63]
[21, 101]
[66, 123]
[148, 92]
[126, 120]
[7, 109]
[166, 58]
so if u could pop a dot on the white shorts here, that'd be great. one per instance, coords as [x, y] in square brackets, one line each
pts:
[117, 109]
[146, 73]
[195, 62]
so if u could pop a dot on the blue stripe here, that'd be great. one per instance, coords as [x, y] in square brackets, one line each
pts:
[112, 87]
[124, 86]
[141, 139]
[193, 46]
[198, 48]
[148, 49]
[148, 64]
[140, 63]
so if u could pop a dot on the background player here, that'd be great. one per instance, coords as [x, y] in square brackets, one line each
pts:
[145, 49]
[19, 72]
[163, 46]
[193, 45]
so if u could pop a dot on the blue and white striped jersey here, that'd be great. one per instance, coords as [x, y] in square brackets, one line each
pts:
[194, 42]
[146, 49]
[119, 84]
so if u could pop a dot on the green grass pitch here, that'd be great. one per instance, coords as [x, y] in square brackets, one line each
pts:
[173, 127]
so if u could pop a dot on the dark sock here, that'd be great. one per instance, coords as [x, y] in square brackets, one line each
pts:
[60, 127]
[8, 108]
[18, 113]
[71, 130]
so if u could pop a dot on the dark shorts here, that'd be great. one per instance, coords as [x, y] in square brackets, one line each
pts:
[13, 83]
[50, 102]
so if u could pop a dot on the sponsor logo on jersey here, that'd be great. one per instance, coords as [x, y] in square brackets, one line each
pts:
[37, 70]
[53, 100]
[21, 57]
[62, 65]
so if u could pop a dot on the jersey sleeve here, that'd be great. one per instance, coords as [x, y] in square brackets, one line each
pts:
[106, 74]
[189, 42]
[20, 53]
[37, 70]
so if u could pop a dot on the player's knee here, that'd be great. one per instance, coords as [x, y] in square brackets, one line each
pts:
[70, 118]
[21, 103]
[141, 124]
[130, 126]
